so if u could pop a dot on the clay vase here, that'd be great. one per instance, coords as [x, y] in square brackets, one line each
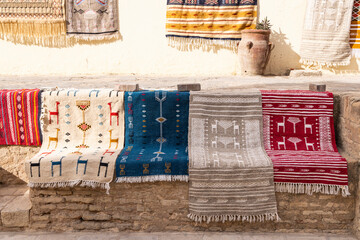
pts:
[254, 51]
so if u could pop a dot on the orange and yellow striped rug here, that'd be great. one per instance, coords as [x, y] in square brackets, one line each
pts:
[355, 30]
[208, 23]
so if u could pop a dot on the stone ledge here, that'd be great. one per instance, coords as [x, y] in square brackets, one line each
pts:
[16, 213]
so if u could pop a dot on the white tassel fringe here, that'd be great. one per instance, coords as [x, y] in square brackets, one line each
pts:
[355, 52]
[155, 178]
[186, 44]
[82, 183]
[229, 217]
[327, 64]
[309, 189]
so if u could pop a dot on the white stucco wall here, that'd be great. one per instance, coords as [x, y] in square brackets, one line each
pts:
[144, 48]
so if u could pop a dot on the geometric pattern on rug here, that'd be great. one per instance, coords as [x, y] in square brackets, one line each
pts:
[92, 20]
[197, 23]
[355, 29]
[19, 121]
[299, 137]
[230, 174]
[82, 136]
[155, 137]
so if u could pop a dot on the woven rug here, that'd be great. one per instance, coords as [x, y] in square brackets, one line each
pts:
[82, 136]
[19, 121]
[231, 177]
[155, 137]
[40, 22]
[92, 19]
[355, 30]
[208, 23]
[325, 38]
[299, 137]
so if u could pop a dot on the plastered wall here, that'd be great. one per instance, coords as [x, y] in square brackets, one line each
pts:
[144, 49]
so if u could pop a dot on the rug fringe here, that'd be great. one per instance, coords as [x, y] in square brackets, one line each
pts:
[327, 64]
[185, 44]
[82, 183]
[232, 218]
[309, 189]
[355, 52]
[155, 178]
[85, 38]
[42, 33]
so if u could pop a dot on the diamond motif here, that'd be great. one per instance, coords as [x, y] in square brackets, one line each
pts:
[83, 105]
[84, 127]
[67, 140]
[161, 140]
[161, 119]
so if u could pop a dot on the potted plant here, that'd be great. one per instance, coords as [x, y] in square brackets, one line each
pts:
[255, 48]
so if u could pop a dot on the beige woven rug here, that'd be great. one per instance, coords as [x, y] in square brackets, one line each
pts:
[83, 133]
[231, 176]
[325, 38]
[40, 22]
[92, 20]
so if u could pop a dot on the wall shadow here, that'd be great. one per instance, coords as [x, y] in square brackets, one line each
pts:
[283, 57]
[8, 178]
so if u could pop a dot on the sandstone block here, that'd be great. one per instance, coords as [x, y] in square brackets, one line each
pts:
[316, 87]
[95, 208]
[37, 218]
[128, 87]
[72, 206]
[16, 213]
[96, 216]
[79, 199]
[189, 87]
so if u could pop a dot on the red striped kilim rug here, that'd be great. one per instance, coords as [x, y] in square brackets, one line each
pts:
[19, 122]
[299, 137]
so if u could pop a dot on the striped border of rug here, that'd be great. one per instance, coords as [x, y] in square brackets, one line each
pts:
[208, 23]
[355, 30]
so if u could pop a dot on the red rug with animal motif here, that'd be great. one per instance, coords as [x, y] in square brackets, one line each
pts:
[19, 121]
[299, 137]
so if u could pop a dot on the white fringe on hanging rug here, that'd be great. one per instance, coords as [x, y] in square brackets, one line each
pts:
[154, 178]
[309, 189]
[232, 218]
[74, 183]
[187, 44]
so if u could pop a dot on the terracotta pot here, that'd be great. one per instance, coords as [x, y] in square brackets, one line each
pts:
[254, 51]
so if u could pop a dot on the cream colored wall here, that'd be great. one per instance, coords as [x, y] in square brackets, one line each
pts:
[144, 48]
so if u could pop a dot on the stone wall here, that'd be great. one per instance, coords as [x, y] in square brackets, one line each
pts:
[348, 135]
[163, 206]
[12, 167]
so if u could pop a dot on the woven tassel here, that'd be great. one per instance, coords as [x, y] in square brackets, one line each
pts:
[186, 44]
[154, 178]
[82, 183]
[327, 64]
[234, 217]
[309, 189]
[42, 33]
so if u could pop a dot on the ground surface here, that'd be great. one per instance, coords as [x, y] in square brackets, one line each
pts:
[334, 82]
[173, 236]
